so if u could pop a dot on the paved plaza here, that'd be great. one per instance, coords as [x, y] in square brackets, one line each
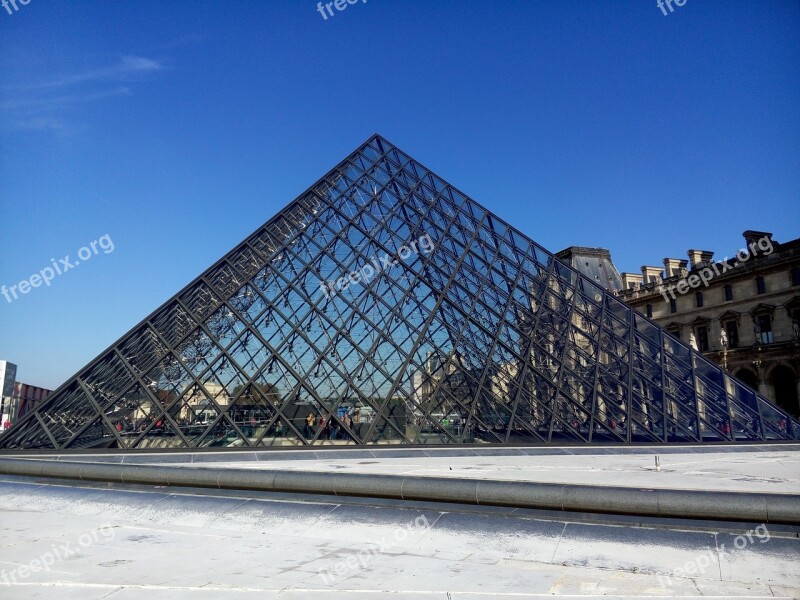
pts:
[63, 539]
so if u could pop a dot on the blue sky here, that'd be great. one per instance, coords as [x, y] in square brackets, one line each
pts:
[177, 128]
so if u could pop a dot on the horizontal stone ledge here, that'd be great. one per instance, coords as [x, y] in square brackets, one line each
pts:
[653, 502]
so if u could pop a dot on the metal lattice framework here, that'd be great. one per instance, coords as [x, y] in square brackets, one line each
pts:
[388, 307]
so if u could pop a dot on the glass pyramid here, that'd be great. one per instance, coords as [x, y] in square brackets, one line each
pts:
[383, 306]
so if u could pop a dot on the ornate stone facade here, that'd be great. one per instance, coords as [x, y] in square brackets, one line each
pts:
[754, 298]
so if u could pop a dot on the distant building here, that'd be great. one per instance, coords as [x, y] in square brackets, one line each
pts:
[8, 375]
[26, 398]
[753, 297]
[594, 263]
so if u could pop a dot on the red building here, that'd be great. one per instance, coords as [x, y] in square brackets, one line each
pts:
[25, 399]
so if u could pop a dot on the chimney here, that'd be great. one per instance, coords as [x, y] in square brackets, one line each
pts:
[699, 258]
[631, 281]
[752, 237]
[673, 267]
[652, 274]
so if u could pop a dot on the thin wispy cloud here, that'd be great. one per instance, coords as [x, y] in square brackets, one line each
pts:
[45, 105]
[128, 67]
[54, 102]
[43, 124]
